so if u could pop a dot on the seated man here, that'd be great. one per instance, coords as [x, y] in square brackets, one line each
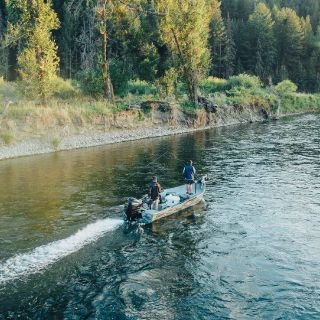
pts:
[132, 209]
[154, 193]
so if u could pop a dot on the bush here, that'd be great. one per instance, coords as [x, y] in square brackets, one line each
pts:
[91, 82]
[119, 76]
[286, 87]
[219, 98]
[244, 81]
[167, 85]
[213, 84]
[64, 89]
[299, 102]
[140, 87]
[9, 91]
[189, 105]
[181, 88]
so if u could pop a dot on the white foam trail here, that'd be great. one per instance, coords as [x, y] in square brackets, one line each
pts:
[41, 257]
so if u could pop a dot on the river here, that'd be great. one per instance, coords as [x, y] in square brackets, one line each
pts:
[250, 251]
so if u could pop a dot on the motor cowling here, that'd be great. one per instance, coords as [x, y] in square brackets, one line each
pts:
[133, 209]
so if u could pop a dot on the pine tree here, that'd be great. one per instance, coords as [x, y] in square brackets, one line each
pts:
[262, 41]
[230, 51]
[259, 67]
[217, 42]
[76, 24]
[306, 78]
[290, 36]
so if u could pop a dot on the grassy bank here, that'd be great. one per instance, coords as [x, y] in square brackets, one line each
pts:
[24, 118]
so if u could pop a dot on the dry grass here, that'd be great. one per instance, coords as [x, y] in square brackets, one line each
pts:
[7, 137]
[70, 109]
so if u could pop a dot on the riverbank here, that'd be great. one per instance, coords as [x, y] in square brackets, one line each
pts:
[70, 138]
[120, 127]
[71, 120]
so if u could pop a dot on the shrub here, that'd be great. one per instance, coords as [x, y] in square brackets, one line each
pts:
[299, 102]
[244, 81]
[9, 91]
[56, 143]
[91, 82]
[219, 98]
[286, 87]
[213, 84]
[141, 87]
[119, 76]
[167, 85]
[64, 89]
[181, 88]
[187, 104]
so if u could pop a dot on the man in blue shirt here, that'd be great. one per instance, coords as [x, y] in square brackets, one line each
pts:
[188, 173]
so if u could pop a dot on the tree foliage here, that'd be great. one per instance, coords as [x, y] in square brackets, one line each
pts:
[107, 43]
[29, 26]
[184, 28]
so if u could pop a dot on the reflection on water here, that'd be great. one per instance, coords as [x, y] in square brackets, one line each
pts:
[250, 252]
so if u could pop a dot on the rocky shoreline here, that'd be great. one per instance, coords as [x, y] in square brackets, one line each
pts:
[160, 126]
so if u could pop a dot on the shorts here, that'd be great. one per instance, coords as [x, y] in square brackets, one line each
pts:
[188, 181]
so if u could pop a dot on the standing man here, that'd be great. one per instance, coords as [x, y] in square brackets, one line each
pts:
[188, 173]
[154, 193]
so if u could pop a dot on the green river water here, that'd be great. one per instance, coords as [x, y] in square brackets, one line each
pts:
[250, 251]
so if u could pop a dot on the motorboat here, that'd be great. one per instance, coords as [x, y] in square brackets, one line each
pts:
[172, 201]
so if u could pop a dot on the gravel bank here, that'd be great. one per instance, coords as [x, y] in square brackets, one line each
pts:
[37, 146]
[33, 146]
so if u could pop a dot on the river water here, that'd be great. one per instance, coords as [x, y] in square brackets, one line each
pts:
[251, 251]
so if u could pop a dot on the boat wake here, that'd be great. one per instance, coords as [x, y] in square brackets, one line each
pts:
[41, 257]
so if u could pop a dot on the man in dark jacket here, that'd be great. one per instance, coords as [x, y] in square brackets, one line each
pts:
[154, 193]
[188, 173]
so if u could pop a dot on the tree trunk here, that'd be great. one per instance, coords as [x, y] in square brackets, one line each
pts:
[41, 76]
[108, 88]
[189, 75]
[192, 87]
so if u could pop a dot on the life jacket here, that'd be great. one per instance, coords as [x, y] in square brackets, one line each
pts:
[188, 172]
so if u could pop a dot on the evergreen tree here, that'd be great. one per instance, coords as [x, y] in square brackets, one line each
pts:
[77, 37]
[262, 41]
[218, 42]
[307, 54]
[230, 52]
[243, 45]
[259, 67]
[290, 37]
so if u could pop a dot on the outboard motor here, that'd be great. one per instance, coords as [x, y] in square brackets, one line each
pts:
[132, 209]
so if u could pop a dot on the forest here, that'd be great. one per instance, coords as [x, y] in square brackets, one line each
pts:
[103, 46]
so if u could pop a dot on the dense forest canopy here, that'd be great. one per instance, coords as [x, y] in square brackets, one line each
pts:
[105, 43]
